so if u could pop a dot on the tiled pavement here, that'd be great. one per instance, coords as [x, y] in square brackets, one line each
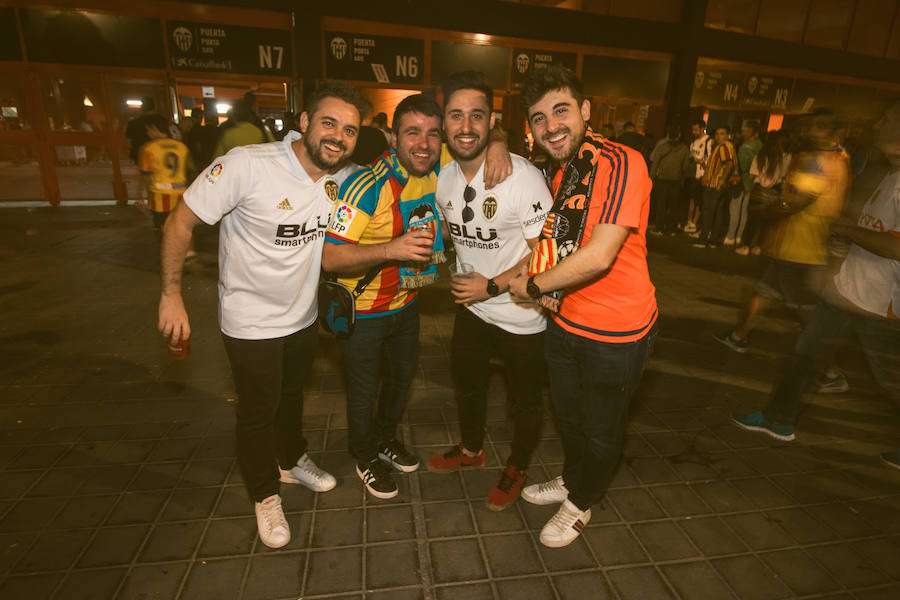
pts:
[118, 476]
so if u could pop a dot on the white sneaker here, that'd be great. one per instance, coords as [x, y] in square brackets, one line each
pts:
[306, 473]
[549, 492]
[566, 525]
[728, 242]
[273, 527]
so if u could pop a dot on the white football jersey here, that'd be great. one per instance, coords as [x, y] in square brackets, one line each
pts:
[274, 218]
[493, 240]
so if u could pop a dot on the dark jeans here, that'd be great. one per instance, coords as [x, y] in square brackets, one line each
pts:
[269, 376]
[474, 342]
[387, 346]
[826, 329]
[592, 384]
[753, 228]
[669, 210]
[713, 215]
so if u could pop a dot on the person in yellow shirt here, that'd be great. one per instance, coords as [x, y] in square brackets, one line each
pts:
[795, 244]
[165, 164]
[246, 130]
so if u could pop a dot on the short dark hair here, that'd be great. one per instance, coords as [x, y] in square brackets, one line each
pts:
[159, 122]
[673, 131]
[629, 124]
[379, 120]
[468, 80]
[700, 123]
[420, 103]
[753, 124]
[725, 127]
[340, 90]
[554, 77]
[241, 111]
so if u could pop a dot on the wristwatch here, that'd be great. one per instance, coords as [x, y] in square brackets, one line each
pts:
[492, 288]
[533, 290]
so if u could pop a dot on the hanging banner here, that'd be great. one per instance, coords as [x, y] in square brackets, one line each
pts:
[767, 92]
[359, 57]
[525, 61]
[229, 49]
[717, 87]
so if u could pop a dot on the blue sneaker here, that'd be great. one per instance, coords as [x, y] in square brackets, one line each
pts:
[891, 459]
[755, 421]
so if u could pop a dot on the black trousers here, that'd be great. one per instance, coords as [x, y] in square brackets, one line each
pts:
[668, 196]
[269, 376]
[474, 342]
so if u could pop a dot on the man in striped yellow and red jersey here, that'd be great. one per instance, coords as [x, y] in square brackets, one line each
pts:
[165, 164]
[385, 224]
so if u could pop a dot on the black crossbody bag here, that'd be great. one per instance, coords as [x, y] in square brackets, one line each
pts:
[337, 303]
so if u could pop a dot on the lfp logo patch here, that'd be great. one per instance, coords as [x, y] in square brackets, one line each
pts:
[343, 218]
[214, 172]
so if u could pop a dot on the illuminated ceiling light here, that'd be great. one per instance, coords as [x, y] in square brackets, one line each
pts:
[87, 101]
[223, 108]
[133, 103]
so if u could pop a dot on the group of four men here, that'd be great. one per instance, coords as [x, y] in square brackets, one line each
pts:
[288, 209]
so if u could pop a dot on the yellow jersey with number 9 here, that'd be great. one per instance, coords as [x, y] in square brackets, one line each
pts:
[167, 163]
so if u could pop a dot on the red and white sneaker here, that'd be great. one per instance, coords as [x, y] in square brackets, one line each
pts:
[507, 489]
[455, 460]
[566, 525]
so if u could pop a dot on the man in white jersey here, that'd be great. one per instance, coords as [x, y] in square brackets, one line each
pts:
[274, 201]
[493, 231]
[863, 298]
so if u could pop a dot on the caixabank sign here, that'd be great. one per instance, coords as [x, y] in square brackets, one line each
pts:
[229, 49]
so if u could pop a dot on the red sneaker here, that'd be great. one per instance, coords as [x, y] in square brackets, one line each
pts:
[507, 489]
[454, 460]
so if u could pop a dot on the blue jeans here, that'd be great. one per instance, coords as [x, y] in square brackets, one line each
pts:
[387, 346]
[826, 329]
[592, 384]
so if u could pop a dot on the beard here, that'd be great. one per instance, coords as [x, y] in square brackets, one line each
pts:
[317, 154]
[407, 163]
[566, 153]
[477, 149]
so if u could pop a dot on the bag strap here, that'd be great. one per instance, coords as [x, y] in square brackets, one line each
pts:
[365, 281]
[360, 287]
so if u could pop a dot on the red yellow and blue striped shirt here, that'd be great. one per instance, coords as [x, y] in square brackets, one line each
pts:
[368, 212]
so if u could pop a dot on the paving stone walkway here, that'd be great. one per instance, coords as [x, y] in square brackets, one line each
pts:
[119, 481]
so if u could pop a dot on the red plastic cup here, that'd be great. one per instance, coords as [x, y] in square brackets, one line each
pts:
[181, 350]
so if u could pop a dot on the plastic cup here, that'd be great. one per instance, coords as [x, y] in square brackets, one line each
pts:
[461, 269]
[181, 350]
[423, 227]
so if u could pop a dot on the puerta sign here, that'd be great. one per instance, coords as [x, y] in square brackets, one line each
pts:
[525, 61]
[766, 91]
[717, 87]
[360, 57]
[229, 48]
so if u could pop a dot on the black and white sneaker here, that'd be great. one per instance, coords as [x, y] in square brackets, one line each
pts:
[395, 454]
[377, 479]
